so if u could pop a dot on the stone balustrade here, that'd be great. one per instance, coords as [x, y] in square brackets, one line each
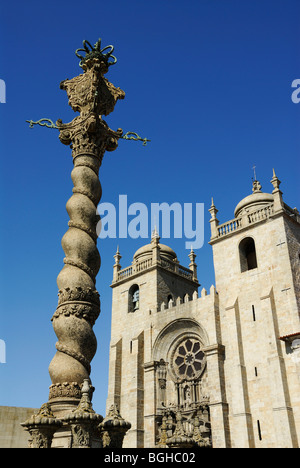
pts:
[139, 266]
[247, 219]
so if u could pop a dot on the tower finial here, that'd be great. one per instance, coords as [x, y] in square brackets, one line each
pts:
[155, 233]
[275, 181]
[192, 264]
[213, 210]
[117, 257]
[92, 52]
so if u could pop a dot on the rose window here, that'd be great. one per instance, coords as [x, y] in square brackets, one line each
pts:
[188, 360]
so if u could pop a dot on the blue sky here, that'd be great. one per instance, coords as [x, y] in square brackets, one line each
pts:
[208, 81]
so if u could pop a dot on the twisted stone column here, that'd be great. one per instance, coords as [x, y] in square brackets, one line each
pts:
[79, 305]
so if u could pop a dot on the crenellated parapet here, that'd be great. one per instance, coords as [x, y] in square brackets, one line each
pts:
[187, 300]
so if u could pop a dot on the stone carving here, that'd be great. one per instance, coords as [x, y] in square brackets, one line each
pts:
[84, 421]
[198, 437]
[180, 428]
[93, 96]
[180, 438]
[65, 389]
[89, 136]
[114, 428]
[163, 433]
[41, 427]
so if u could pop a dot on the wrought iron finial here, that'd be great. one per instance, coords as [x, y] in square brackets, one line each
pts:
[96, 52]
[134, 136]
[43, 123]
[48, 123]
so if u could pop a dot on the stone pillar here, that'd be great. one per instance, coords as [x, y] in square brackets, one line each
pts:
[192, 265]
[134, 402]
[89, 136]
[278, 201]
[284, 423]
[155, 247]
[78, 307]
[117, 266]
[150, 403]
[214, 222]
[218, 406]
[115, 375]
[243, 426]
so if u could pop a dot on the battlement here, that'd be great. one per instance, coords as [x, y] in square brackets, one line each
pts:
[187, 299]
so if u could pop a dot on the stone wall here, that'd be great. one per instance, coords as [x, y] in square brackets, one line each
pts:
[12, 435]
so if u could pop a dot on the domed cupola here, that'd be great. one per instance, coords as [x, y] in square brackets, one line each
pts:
[256, 200]
[146, 252]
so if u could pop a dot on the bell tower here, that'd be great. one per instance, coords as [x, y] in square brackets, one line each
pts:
[257, 265]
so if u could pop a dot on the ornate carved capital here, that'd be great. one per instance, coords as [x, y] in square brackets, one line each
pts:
[92, 95]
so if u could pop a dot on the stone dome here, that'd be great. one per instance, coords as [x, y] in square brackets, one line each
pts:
[146, 252]
[257, 199]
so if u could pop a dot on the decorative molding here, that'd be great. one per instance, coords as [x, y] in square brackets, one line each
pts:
[65, 390]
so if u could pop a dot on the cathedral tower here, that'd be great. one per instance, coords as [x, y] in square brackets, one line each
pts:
[257, 266]
[221, 369]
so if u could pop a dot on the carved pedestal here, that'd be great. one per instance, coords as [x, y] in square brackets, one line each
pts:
[41, 427]
[84, 422]
[113, 429]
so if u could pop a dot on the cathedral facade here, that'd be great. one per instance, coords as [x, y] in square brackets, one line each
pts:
[217, 368]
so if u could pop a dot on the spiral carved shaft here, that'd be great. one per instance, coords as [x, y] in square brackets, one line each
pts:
[79, 304]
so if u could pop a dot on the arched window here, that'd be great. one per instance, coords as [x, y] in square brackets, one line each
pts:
[134, 298]
[247, 254]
